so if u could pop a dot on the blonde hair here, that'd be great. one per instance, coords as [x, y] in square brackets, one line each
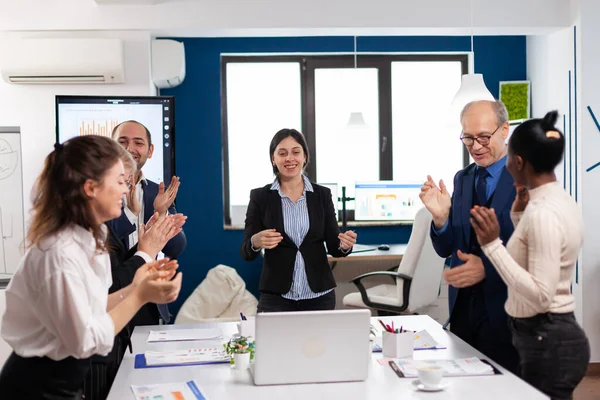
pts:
[128, 161]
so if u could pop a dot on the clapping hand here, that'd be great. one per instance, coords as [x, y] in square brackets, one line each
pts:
[165, 198]
[436, 200]
[467, 274]
[153, 236]
[485, 223]
[521, 199]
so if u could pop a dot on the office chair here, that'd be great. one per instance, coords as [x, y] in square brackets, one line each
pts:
[416, 283]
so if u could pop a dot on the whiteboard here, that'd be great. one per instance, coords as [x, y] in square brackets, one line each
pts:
[12, 221]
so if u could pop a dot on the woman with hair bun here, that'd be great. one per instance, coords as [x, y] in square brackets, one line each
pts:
[538, 261]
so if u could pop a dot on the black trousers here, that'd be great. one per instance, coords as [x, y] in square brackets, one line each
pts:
[273, 302]
[470, 322]
[103, 370]
[40, 378]
[554, 352]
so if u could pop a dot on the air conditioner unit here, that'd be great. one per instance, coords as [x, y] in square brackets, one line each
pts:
[62, 61]
[168, 63]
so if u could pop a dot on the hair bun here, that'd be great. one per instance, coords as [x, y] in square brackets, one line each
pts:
[550, 119]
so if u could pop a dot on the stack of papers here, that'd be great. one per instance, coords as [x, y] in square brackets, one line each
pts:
[180, 391]
[423, 341]
[459, 367]
[177, 335]
[179, 357]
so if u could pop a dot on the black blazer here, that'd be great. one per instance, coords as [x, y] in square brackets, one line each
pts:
[123, 265]
[265, 212]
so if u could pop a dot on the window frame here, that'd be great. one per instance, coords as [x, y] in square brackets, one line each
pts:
[308, 65]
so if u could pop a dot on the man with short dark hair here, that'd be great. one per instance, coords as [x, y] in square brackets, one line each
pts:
[145, 198]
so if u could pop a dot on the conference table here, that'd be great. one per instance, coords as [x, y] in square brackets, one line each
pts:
[221, 381]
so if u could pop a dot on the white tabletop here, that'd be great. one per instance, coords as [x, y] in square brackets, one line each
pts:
[220, 381]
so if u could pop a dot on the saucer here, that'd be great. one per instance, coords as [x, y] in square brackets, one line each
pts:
[417, 385]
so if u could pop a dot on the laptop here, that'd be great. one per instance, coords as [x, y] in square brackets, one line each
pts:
[311, 347]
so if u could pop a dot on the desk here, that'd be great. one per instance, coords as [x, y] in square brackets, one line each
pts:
[395, 253]
[221, 382]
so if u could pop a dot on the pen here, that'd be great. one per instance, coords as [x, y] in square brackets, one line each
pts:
[382, 324]
[393, 330]
[396, 369]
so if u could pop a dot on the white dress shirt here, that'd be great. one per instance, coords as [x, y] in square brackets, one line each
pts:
[56, 301]
[136, 220]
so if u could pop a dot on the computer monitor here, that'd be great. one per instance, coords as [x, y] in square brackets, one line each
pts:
[387, 201]
[334, 194]
[98, 115]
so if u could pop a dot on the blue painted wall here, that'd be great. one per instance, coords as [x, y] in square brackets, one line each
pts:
[198, 133]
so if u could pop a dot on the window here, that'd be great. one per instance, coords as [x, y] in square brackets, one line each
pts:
[261, 99]
[338, 93]
[404, 100]
[424, 136]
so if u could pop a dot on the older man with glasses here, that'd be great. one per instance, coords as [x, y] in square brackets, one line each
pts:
[476, 292]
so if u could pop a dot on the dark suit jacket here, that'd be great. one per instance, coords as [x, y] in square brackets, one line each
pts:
[458, 236]
[124, 228]
[123, 265]
[265, 212]
[149, 313]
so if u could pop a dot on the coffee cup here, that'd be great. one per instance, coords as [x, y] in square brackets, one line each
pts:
[430, 375]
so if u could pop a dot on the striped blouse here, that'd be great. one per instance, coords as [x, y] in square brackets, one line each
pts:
[296, 224]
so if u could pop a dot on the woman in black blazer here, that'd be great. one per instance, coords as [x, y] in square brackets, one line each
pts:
[292, 219]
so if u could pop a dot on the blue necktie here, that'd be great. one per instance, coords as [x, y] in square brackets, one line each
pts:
[163, 310]
[481, 188]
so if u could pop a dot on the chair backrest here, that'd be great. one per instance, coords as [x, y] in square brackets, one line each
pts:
[421, 262]
[222, 294]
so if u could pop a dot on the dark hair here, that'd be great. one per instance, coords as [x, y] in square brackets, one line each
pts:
[58, 196]
[539, 142]
[114, 131]
[285, 133]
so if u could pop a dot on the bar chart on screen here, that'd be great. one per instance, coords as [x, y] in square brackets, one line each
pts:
[103, 127]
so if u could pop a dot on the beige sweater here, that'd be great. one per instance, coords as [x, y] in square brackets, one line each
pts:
[538, 261]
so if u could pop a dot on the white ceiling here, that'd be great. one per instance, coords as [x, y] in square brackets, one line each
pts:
[288, 17]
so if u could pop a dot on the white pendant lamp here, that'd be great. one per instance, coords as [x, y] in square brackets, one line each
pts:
[356, 120]
[472, 86]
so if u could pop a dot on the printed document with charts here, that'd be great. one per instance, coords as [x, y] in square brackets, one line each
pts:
[459, 367]
[169, 391]
[192, 356]
[178, 335]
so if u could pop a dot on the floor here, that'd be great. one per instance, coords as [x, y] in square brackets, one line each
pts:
[588, 389]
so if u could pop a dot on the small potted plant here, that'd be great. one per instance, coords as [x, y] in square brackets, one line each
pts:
[241, 349]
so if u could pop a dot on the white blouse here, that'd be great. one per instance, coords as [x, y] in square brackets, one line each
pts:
[538, 262]
[56, 301]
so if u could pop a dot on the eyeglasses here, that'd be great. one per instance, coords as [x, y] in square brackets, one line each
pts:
[483, 140]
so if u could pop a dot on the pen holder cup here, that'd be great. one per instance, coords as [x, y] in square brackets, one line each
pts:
[246, 328]
[398, 345]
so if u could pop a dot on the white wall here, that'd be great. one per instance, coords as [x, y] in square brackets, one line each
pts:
[549, 60]
[31, 107]
[289, 17]
[589, 95]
